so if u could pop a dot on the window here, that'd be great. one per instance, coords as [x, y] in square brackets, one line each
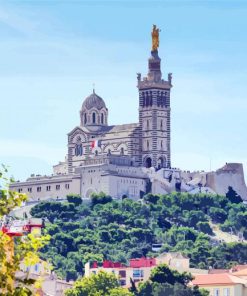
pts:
[57, 187]
[147, 145]
[48, 188]
[29, 189]
[94, 117]
[102, 118]
[122, 151]
[20, 190]
[66, 186]
[85, 118]
[226, 292]
[78, 149]
[216, 292]
[96, 152]
[122, 273]
[39, 189]
[122, 282]
[147, 124]
[137, 273]
[109, 152]
[161, 124]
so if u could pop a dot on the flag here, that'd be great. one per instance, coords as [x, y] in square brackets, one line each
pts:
[96, 143]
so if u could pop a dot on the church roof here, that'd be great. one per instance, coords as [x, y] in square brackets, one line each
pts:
[119, 128]
[129, 127]
[93, 101]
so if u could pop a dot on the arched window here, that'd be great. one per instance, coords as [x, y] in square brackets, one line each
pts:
[109, 152]
[147, 124]
[78, 150]
[96, 152]
[147, 145]
[161, 124]
[85, 118]
[122, 151]
[102, 118]
[94, 117]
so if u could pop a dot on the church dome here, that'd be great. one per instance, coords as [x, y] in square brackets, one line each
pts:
[94, 113]
[93, 101]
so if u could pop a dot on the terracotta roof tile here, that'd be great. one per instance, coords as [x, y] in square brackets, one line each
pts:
[217, 279]
[241, 272]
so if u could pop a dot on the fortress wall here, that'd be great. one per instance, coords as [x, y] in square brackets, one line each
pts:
[231, 174]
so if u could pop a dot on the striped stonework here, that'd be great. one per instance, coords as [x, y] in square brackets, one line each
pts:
[154, 116]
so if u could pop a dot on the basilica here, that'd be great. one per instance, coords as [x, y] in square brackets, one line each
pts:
[146, 142]
[130, 159]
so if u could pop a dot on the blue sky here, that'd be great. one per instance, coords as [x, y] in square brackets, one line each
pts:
[53, 51]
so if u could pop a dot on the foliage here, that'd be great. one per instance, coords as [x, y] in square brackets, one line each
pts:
[100, 284]
[100, 198]
[165, 281]
[163, 274]
[233, 196]
[25, 249]
[124, 229]
[74, 198]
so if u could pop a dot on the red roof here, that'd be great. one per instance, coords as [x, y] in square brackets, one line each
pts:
[239, 267]
[216, 271]
[142, 262]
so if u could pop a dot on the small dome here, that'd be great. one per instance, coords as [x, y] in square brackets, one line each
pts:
[93, 101]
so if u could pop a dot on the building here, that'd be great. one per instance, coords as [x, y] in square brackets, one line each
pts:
[140, 269]
[222, 284]
[129, 159]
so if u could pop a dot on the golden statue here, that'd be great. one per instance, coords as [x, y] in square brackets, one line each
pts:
[155, 38]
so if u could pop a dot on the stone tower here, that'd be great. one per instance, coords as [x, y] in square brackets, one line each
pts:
[154, 112]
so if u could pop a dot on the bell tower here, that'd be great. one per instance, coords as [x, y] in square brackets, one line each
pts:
[154, 111]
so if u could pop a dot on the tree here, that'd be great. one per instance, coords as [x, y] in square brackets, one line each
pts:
[163, 274]
[233, 196]
[74, 198]
[13, 252]
[100, 284]
[218, 215]
[204, 227]
[100, 198]
[165, 281]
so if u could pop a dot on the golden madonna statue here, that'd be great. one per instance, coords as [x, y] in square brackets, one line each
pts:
[155, 38]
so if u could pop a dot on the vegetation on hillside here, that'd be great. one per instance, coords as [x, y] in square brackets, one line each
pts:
[120, 230]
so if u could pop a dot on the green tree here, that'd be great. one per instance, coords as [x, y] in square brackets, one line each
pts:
[100, 198]
[218, 215]
[13, 252]
[74, 198]
[233, 196]
[100, 284]
[204, 227]
[168, 282]
[163, 274]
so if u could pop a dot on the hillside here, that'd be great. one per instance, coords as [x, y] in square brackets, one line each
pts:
[119, 230]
